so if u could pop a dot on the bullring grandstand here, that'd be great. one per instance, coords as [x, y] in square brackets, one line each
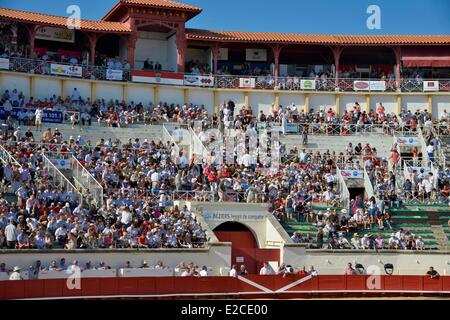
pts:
[153, 160]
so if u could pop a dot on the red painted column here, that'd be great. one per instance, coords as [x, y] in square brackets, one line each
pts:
[398, 61]
[337, 56]
[181, 47]
[93, 44]
[216, 59]
[131, 47]
[32, 33]
[276, 54]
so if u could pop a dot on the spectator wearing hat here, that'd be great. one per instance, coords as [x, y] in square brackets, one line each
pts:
[356, 242]
[15, 275]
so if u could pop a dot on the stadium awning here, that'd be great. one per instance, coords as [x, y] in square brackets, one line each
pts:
[426, 57]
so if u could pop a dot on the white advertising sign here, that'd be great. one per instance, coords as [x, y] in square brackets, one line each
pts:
[255, 54]
[66, 70]
[247, 82]
[431, 86]
[55, 34]
[4, 63]
[223, 54]
[114, 74]
[308, 84]
[61, 163]
[198, 81]
[359, 85]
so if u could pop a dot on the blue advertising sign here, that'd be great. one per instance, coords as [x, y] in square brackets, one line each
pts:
[49, 116]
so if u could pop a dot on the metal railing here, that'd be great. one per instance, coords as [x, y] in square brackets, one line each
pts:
[87, 180]
[6, 157]
[59, 180]
[344, 193]
[267, 82]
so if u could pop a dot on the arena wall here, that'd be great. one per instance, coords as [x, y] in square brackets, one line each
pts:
[216, 257]
[42, 86]
[334, 262]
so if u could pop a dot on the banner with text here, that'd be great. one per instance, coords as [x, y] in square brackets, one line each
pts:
[49, 116]
[4, 64]
[198, 81]
[352, 174]
[158, 77]
[114, 74]
[408, 141]
[308, 84]
[369, 85]
[255, 54]
[247, 82]
[431, 86]
[66, 70]
[55, 34]
[61, 163]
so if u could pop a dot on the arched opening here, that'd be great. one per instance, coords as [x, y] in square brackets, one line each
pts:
[243, 244]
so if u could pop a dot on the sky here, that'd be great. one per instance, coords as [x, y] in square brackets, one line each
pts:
[292, 16]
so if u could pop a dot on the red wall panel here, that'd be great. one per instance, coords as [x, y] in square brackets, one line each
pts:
[15, 289]
[356, 283]
[331, 282]
[412, 282]
[393, 282]
[432, 284]
[90, 286]
[108, 286]
[53, 287]
[34, 288]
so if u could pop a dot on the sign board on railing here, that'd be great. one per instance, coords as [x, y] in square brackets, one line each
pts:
[291, 127]
[359, 85]
[247, 82]
[114, 74]
[66, 70]
[49, 116]
[431, 86]
[198, 81]
[408, 141]
[158, 77]
[308, 84]
[4, 64]
[61, 163]
[352, 174]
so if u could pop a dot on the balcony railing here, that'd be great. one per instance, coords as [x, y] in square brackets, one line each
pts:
[268, 82]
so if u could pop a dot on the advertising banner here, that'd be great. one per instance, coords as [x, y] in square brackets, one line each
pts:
[352, 174]
[49, 116]
[431, 86]
[359, 85]
[158, 77]
[55, 34]
[4, 64]
[408, 141]
[66, 70]
[198, 81]
[223, 54]
[114, 74]
[308, 84]
[255, 54]
[247, 82]
[61, 163]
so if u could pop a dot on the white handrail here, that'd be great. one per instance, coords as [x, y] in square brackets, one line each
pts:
[343, 190]
[87, 180]
[61, 177]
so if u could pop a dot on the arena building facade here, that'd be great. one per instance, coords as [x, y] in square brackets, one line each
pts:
[205, 67]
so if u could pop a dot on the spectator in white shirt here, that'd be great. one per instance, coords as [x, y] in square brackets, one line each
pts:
[204, 272]
[233, 271]
[266, 269]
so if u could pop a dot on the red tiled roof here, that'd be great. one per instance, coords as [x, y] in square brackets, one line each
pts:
[59, 21]
[163, 4]
[289, 38]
